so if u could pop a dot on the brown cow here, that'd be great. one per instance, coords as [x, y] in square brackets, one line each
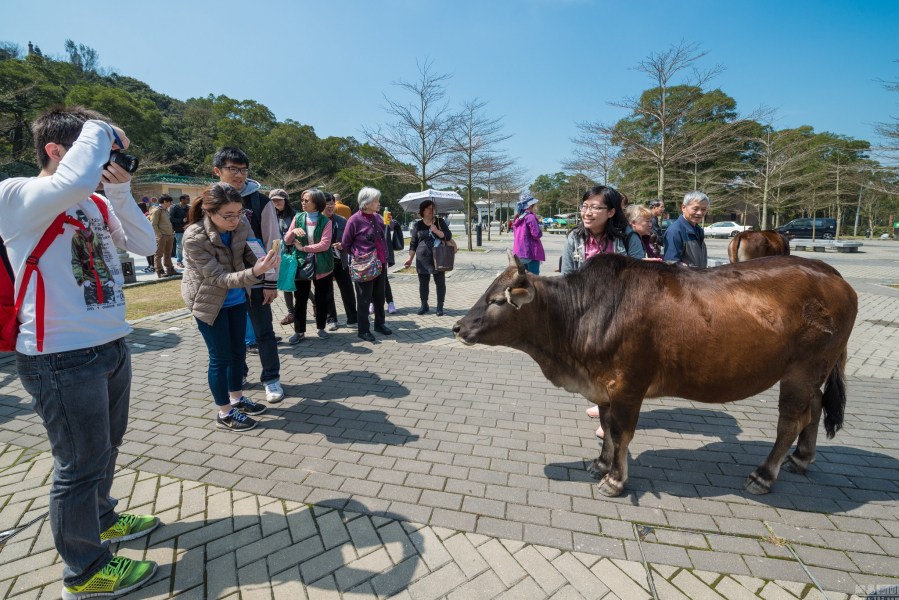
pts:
[747, 245]
[729, 333]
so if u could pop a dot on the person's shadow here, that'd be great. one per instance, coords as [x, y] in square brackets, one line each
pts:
[321, 546]
[323, 410]
[143, 340]
[840, 479]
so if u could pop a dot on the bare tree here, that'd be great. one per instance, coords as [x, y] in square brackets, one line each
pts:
[494, 166]
[475, 137]
[594, 152]
[419, 139]
[890, 131]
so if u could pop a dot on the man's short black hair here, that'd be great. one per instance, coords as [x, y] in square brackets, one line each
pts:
[184, 197]
[226, 155]
[60, 125]
[165, 198]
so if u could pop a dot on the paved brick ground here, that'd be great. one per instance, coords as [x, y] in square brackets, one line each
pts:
[418, 468]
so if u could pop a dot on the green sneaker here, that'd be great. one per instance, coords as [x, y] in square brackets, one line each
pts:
[117, 578]
[129, 527]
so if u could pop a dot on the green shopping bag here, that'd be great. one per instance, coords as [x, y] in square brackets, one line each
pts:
[288, 271]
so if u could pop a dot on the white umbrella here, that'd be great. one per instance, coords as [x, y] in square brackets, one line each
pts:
[445, 201]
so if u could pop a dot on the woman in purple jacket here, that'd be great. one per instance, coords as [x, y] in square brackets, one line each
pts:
[364, 234]
[527, 233]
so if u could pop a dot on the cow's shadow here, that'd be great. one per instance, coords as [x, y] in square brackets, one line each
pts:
[842, 477]
[339, 529]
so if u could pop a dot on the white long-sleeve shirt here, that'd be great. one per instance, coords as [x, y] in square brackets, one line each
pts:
[73, 317]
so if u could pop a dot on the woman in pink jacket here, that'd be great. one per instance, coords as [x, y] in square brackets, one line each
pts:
[527, 233]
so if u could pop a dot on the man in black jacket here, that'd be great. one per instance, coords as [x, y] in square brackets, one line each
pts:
[341, 268]
[178, 217]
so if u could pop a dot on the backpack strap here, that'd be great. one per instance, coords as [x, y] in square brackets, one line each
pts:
[32, 266]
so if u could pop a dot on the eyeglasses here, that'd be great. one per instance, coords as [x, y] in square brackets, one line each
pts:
[233, 218]
[593, 208]
[236, 170]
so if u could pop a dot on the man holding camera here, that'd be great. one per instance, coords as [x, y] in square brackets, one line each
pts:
[71, 354]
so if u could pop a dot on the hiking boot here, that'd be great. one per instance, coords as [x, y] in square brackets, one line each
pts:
[248, 407]
[235, 421]
[439, 312]
[120, 576]
[274, 393]
[129, 527]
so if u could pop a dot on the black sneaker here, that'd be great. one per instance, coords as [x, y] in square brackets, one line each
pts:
[235, 421]
[252, 349]
[248, 407]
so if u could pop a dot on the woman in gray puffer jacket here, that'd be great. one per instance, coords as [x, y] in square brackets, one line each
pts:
[214, 288]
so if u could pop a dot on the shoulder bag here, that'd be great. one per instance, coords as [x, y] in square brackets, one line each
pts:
[365, 267]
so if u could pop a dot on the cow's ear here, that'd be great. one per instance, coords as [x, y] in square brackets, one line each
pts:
[519, 296]
[514, 260]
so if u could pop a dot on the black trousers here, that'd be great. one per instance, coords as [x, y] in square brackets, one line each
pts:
[388, 293]
[345, 285]
[323, 290]
[370, 292]
[439, 282]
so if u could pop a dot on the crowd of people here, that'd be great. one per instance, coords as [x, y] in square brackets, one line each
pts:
[234, 244]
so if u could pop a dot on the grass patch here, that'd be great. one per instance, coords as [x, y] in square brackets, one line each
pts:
[147, 300]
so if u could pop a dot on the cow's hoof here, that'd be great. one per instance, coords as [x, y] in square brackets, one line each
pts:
[609, 487]
[597, 470]
[792, 465]
[755, 486]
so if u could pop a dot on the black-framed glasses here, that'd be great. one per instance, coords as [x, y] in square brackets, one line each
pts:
[236, 170]
[593, 208]
[233, 217]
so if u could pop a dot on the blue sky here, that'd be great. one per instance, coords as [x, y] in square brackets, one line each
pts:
[541, 65]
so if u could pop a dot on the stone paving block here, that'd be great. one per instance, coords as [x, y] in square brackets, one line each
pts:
[526, 588]
[465, 555]
[438, 583]
[580, 577]
[221, 577]
[544, 574]
[482, 587]
[431, 549]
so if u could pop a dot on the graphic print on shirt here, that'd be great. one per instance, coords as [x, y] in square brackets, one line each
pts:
[89, 265]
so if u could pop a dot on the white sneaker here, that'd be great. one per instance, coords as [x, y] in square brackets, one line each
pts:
[333, 326]
[371, 309]
[391, 307]
[273, 392]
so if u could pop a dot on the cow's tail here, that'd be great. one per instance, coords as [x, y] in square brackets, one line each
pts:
[834, 399]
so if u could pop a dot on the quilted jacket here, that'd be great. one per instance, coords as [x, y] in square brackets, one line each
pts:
[211, 268]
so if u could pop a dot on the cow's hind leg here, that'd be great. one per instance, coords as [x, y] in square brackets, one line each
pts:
[806, 447]
[795, 406]
[622, 421]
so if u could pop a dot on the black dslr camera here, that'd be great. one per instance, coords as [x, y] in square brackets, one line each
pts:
[126, 161]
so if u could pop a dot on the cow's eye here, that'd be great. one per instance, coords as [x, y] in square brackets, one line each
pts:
[498, 301]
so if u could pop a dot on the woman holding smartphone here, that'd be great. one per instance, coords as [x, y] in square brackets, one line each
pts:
[214, 287]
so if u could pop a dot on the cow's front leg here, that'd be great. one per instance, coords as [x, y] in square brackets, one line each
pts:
[599, 467]
[621, 424]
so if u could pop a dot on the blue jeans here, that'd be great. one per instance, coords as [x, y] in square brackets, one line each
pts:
[179, 248]
[227, 351]
[82, 398]
[533, 266]
[261, 320]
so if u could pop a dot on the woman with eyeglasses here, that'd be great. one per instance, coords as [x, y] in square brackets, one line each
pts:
[311, 236]
[214, 287]
[603, 230]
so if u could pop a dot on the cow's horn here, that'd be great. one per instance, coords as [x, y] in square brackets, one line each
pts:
[514, 260]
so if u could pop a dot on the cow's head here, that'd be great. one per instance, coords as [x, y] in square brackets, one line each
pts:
[495, 319]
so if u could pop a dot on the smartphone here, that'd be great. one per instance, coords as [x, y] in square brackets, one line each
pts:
[276, 245]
